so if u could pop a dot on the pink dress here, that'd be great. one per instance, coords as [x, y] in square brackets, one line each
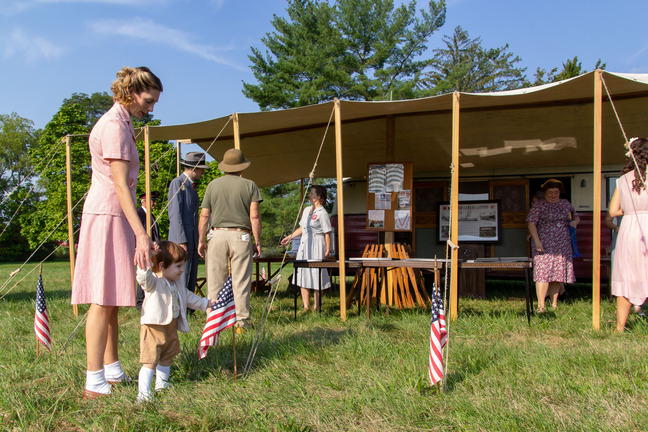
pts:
[105, 273]
[555, 263]
[630, 265]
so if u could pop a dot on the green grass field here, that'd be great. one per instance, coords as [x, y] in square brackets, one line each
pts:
[317, 373]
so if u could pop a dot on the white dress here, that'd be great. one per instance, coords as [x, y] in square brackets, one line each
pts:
[313, 246]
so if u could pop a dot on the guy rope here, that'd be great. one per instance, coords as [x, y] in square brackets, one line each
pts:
[273, 284]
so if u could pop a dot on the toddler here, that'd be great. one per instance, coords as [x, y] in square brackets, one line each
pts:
[163, 315]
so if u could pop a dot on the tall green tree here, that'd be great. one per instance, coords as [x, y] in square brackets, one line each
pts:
[465, 65]
[352, 49]
[17, 137]
[94, 105]
[570, 68]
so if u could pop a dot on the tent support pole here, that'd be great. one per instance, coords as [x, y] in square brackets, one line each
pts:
[237, 135]
[596, 241]
[340, 205]
[454, 210]
[147, 167]
[390, 156]
[178, 157]
[68, 179]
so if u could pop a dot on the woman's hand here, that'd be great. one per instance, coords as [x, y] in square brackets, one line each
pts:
[573, 224]
[143, 250]
[286, 240]
[327, 253]
[538, 246]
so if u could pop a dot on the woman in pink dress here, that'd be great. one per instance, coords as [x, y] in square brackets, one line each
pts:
[112, 239]
[549, 220]
[630, 265]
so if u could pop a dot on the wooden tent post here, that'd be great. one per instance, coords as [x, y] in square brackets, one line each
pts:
[237, 136]
[340, 205]
[596, 240]
[454, 210]
[390, 156]
[178, 157]
[147, 168]
[68, 179]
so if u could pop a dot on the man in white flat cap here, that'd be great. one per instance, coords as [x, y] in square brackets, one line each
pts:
[230, 210]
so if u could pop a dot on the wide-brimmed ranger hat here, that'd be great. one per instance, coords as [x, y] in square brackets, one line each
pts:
[194, 160]
[233, 161]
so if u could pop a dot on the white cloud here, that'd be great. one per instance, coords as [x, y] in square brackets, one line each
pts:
[11, 7]
[218, 4]
[14, 7]
[633, 58]
[32, 48]
[117, 2]
[147, 30]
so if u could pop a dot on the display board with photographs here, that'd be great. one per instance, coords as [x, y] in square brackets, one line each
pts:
[479, 221]
[389, 196]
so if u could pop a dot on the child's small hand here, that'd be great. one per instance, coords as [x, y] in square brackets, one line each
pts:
[210, 303]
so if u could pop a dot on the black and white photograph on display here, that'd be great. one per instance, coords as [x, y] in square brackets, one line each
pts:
[376, 218]
[479, 221]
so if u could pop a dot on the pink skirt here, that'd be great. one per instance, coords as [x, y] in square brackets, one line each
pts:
[104, 273]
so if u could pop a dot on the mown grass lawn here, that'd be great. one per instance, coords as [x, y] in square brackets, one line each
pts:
[317, 373]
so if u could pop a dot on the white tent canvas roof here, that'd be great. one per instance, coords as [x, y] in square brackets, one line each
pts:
[545, 126]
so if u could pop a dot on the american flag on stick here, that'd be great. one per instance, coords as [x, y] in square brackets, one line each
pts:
[41, 320]
[221, 316]
[438, 338]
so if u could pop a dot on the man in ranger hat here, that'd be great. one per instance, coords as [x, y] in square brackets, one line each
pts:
[230, 211]
[183, 214]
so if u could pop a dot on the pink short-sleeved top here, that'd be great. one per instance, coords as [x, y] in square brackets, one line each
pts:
[113, 137]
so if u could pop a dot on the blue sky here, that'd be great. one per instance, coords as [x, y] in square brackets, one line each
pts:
[50, 49]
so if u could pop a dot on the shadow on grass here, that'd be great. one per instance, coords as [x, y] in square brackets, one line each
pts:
[24, 296]
[220, 359]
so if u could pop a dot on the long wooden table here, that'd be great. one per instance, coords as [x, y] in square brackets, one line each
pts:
[525, 264]
[435, 266]
[326, 264]
[429, 264]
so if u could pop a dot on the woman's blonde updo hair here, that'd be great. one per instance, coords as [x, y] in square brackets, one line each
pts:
[132, 81]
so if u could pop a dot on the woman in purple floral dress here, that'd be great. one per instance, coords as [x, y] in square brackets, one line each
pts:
[549, 222]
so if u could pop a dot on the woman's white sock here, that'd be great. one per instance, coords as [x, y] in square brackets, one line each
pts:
[96, 382]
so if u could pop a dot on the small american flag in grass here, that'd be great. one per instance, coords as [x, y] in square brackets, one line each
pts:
[221, 316]
[41, 320]
[438, 338]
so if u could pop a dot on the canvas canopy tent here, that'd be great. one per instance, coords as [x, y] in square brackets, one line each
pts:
[550, 125]
[558, 124]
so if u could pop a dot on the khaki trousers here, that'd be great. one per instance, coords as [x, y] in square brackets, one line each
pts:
[235, 246]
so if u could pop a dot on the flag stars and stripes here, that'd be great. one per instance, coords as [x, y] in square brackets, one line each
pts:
[41, 320]
[221, 316]
[438, 338]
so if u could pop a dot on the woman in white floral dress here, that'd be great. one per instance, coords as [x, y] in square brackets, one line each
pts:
[315, 231]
